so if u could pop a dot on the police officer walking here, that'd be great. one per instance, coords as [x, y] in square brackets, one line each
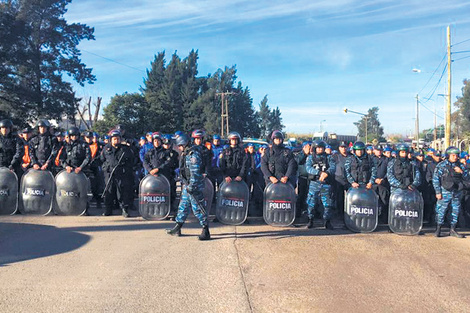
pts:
[450, 178]
[192, 197]
[321, 168]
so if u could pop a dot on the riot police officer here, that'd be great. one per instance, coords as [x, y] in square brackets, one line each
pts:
[321, 168]
[190, 166]
[118, 162]
[278, 162]
[233, 160]
[43, 147]
[429, 196]
[93, 169]
[217, 149]
[381, 186]
[171, 158]
[198, 140]
[360, 168]
[341, 183]
[403, 173]
[26, 135]
[77, 153]
[11, 148]
[302, 178]
[450, 178]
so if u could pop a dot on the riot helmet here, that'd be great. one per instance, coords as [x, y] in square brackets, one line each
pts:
[6, 123]
[182, 140]
[234, 135]
[277, 134]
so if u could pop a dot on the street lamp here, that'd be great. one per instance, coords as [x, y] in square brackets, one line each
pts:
[321, 125]
[359, 113]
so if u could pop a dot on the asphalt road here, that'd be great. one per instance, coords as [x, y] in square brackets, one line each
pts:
[112, 264]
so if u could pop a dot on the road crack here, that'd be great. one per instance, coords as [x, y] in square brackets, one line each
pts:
[242, 274]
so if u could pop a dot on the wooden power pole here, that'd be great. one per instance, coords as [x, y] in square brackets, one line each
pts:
[449, 77]
[224, 113]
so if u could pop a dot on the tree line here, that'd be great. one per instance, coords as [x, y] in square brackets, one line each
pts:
[173, 97]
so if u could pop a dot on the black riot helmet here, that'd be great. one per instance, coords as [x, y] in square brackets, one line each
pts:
[236, 136]
[73, 131]
[277, 134]
[43, 123]
[6, 123]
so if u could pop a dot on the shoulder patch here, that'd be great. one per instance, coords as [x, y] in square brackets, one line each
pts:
[193, 160]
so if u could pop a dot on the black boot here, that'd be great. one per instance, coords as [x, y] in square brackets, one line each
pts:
[454, 233]
[438, 231]
[205, 235]
[328, 225]
[310, 222]
[108, 211]
[175, 231]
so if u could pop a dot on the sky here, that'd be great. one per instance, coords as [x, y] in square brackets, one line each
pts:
[312, 59]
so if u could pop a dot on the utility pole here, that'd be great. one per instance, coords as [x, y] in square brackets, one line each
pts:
[417, 121]
[224, 113]
[449, 77]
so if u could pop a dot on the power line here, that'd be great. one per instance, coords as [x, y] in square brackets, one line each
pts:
[462, 58]
[430, 110]
[437, 85]
[114, 61]
[458, 43]
[443, 58]
[465, 51]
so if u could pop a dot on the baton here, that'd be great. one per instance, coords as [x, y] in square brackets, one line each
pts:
[111, 176]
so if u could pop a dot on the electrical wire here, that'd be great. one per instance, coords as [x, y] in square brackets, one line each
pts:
[465, 51]
[458, 43]
[462, 58]
[443, 58]
[114, 61]
[422, 104]
[437, 85]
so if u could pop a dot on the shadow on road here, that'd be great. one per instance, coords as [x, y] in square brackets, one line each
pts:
[22, 242]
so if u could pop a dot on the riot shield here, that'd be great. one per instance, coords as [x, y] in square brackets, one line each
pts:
[154, 197]
[232, 203]
[405, 214]
[8, 192]
[208, 194]
[279, 204]
[71, 193]
[361, 210]
[37, 192]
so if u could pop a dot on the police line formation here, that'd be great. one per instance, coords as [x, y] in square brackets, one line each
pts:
[43, 172]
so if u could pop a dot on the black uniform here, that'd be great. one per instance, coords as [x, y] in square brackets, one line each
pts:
[93, 171]
[429, 196]
[302, 183]
[233, 162]
[279, 161]
[340, 183]
[43, 149]
[382, 189]
[11, 152]
[77, 154]
[121, 184]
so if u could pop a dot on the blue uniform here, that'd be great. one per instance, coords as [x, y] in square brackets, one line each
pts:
[451, 196]
[143, 151]
[191, 172]
[320, 191]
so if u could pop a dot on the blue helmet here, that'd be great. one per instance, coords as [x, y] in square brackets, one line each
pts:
[452, 150]
[182, 140]
[327, 147]
[305, 143]
[388, 149]
[403, 147]
[216, 137]
[463, 154]
[166, 139]
[106, 137]
[178, 133]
